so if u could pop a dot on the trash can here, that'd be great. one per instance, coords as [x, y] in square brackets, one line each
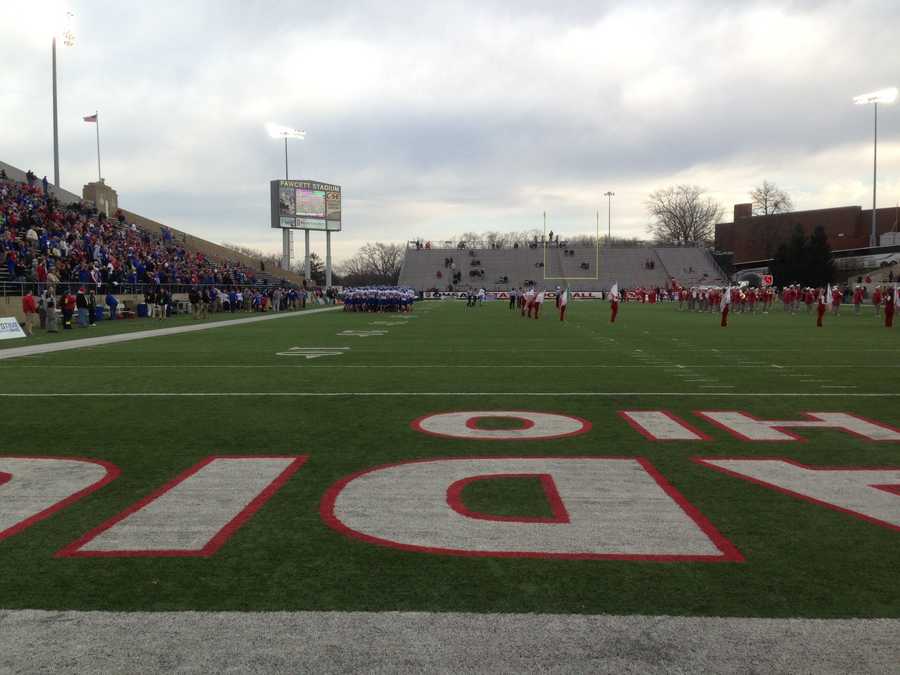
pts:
[142, 311]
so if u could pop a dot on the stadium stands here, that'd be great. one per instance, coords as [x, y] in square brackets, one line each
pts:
[64, 241]
[575, 266]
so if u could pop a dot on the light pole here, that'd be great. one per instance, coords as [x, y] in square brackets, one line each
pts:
[68, 40]
[876, 97]
[279, 131]
[609, 195]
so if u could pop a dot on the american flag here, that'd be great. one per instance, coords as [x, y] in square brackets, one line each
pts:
[90, 118]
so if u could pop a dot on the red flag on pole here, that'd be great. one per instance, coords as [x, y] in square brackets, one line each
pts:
[821, 305]
[563, 301]
[90, 118]
[890, 306]
[725, 305]
[613, 302]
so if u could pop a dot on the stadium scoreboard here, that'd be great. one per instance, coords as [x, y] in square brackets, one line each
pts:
[306, 205]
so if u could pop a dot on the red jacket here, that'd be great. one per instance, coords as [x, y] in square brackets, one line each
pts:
[29, 304]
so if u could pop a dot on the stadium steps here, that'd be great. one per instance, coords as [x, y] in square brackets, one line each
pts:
[624, 266]
[690, 266]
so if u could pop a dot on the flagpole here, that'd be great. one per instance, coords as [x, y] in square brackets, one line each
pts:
[97, 122]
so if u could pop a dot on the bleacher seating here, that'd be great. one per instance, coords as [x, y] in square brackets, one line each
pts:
[573, 266]
[41, 237]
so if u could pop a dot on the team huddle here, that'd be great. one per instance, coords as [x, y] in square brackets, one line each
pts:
[378, 299]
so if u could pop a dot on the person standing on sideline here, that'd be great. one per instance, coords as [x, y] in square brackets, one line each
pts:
[194, 297]
[42, 309]
[29, 309]
[92, 308]
[512, 298]
[111, 304]
[876, 300]
[164, 300]
[204, 303]
[50, 305]
[82, 307]
[68, 302]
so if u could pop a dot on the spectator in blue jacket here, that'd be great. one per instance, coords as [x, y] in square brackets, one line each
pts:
[111, 303]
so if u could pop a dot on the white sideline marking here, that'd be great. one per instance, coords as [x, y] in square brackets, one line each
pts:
[467, 366]
[137, 394]
[241, 642]
[16, 352]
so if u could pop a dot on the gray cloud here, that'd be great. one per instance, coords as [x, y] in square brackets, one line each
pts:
[440, 118]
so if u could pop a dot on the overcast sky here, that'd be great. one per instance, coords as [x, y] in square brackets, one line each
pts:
[440, 118]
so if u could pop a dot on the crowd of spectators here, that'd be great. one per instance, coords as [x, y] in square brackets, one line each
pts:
[44, 242]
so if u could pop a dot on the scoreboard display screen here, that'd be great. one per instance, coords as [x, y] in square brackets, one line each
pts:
[306, 205]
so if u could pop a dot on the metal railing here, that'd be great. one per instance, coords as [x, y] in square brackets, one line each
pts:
[17, 288]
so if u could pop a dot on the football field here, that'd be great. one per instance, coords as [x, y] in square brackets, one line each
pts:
[461, 460]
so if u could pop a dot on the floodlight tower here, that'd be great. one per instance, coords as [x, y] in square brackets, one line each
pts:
[279, 131]
[609, 195]
[881, 96]
[68, 38]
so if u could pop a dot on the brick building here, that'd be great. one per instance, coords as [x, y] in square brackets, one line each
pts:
[752, 237]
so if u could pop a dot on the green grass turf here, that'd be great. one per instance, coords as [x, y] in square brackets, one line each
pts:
[520, 497]
[802, 559]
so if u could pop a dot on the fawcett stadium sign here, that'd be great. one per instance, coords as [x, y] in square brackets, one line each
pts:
[601, 507]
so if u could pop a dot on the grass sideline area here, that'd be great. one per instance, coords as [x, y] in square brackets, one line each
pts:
[119, 326]
[802, 560]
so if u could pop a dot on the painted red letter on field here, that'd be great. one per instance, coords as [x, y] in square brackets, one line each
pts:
[34, 488]
[870, 494]
[748, 428]
[193, 515]
[604, 508]
[532, 426]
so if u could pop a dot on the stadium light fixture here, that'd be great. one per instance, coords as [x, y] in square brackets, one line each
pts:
[68, 37]
[881, 96]
[281, 131]
[888, 95]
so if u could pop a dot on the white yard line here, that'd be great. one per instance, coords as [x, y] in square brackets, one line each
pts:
[407, 642]
[65, 345]
[465, 366]
[314, 394]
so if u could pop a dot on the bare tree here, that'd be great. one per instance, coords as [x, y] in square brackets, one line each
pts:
[768, 198]
[376, 263]
[682, 215]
